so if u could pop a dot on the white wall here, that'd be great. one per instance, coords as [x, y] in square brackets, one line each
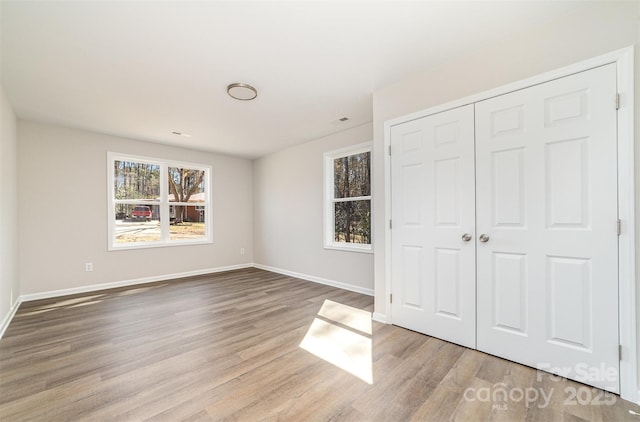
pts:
[9, 286]
[288, 228]
[608, 26]
[63, 211]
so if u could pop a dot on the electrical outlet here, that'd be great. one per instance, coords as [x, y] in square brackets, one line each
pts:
[241, 251]
[88, 266]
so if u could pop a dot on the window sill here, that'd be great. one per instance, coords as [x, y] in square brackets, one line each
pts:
[151, 245]
[341, 247]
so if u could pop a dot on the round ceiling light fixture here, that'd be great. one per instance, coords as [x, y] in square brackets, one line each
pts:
[242, 92]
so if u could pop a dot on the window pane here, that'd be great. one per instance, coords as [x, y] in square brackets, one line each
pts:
[186, 185]
[352, 175]
[133, 180]
[187, 223]
[137, 223]
[353, 222]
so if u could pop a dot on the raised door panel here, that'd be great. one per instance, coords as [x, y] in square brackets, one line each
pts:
[508, 188]
[412, 275]
[509, 290]
[411, 196]
[567, 183]
[447, 194]
[447, 283]
[570, 302]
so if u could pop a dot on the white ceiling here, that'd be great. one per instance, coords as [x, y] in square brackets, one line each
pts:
[143, 69]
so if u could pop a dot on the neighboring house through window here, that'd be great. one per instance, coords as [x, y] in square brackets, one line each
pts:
[155, 202]
[347, 202]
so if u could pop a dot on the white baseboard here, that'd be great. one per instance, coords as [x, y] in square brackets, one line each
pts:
[332, 283]
[377, 316]
[132, 282]
[7, 319]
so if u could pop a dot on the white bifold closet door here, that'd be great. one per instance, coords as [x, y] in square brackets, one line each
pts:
[537, 201]
[547, 277]
[433, 206]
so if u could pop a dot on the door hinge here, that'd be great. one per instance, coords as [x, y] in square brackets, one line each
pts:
[390, 224]
[617, 101]
[620, 352]
[619, 227]
[391, 298]
[389, 150]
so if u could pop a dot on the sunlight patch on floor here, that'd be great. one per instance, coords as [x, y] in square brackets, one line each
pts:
[355, 318]
[341, 335]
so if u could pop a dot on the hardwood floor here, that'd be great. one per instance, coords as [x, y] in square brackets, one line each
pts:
[251, 345]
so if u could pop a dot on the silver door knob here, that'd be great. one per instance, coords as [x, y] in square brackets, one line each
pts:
[466, 237]
[484, 238]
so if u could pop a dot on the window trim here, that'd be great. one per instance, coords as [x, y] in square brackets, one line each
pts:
[329, 199]
[163, 203]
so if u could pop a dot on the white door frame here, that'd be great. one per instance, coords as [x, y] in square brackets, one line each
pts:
[624, 59]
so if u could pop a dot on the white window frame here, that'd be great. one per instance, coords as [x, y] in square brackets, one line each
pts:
[163, 204]
[330, 200]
